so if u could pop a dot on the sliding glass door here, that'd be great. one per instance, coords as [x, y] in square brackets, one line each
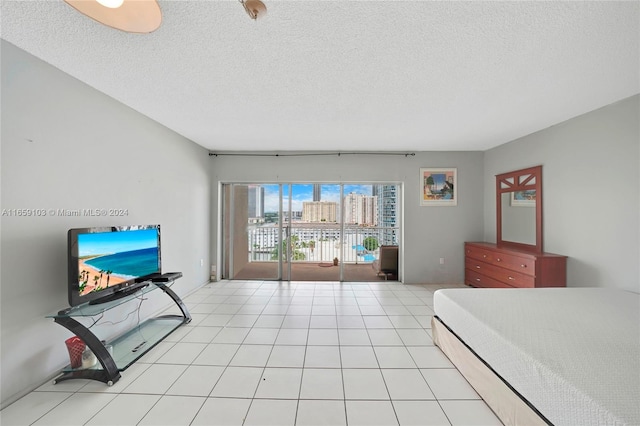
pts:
[247, 253]
[307, 231]
[315, 232]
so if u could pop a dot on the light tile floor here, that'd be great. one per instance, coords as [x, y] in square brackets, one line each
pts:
[279, 353]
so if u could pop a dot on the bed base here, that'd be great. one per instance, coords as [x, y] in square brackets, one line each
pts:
[505, 402]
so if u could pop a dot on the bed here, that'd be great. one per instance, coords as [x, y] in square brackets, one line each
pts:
[561, 356]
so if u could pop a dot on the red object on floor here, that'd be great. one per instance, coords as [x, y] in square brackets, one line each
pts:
[75, 346]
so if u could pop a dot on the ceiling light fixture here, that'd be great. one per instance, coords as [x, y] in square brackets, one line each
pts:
[112, 4]
[132, 16]
[254, 8]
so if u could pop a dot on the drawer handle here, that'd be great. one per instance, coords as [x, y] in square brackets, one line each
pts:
[477, 279]
[477, 266]
[498, 259]
[511, 278]
[523, 266]
[484, 255]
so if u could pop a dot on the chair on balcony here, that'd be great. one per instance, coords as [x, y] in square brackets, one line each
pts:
[387, 264]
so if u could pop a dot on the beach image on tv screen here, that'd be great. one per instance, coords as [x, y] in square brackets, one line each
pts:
[109, 258]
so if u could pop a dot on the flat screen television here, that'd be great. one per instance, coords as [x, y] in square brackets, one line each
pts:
[107, 262]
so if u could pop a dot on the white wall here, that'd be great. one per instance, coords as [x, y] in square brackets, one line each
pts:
[591, 187]
[429, 232]
[66, 145]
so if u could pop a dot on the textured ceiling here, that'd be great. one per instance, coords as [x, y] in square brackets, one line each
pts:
[349, 75]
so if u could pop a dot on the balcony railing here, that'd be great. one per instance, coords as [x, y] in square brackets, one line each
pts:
[319, 243]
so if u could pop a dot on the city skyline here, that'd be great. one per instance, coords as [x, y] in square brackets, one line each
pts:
[304, 192]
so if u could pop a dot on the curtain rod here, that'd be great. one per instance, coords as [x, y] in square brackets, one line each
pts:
[312, 154]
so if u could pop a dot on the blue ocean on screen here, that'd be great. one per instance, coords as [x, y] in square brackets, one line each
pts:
[128, 264]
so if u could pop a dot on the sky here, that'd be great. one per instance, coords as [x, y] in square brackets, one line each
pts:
[116, 242]
[304, 192]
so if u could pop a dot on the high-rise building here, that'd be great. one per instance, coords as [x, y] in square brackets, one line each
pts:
[317, 189]
[361, 209]
[255, 205]
[388, 212]
[319, 211]
[296, 216]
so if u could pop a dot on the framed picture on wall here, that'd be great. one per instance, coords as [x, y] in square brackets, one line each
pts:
[439, 186]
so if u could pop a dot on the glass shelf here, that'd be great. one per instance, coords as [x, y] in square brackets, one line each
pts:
[87, 310]
[128, 348]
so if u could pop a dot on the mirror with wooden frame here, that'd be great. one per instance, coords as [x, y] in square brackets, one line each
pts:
[519, 209]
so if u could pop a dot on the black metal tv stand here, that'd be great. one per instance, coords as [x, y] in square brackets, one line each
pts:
[127, 348]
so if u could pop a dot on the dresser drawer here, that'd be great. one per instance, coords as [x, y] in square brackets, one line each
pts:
[524, 265]
[476, 279]
[479, 253]
[509, 277]
[515, 263]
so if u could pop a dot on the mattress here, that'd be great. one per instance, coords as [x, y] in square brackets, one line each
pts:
[572, 353]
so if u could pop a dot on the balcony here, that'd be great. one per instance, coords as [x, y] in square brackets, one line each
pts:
[312, 250]
[309, 271]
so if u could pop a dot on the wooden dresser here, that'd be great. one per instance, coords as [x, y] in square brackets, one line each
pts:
[487, 265]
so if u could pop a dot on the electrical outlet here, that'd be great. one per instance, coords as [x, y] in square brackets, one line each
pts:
[442, 260]
[201, 262]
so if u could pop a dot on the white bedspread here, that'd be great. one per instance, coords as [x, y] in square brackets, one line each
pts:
[574, 353]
